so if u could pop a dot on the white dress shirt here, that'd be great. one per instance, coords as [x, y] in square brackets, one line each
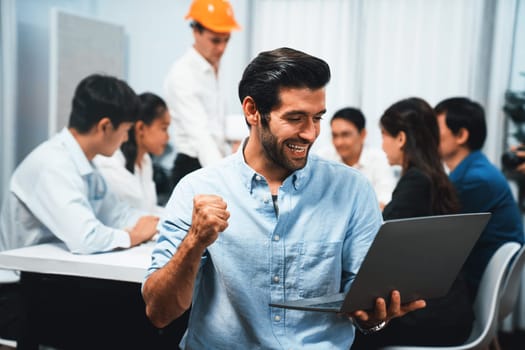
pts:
[138, 188]
[55, 195]
[197, 108]
[374, 165]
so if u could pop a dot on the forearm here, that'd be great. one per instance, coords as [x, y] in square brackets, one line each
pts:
[168, 291]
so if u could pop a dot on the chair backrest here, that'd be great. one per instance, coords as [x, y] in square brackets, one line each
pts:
[511, 285]
[487, 301]
[485, 306]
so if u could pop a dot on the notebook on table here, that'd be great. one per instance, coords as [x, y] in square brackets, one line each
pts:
[420, 257]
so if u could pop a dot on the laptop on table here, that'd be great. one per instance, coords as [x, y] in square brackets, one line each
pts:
[420, 257]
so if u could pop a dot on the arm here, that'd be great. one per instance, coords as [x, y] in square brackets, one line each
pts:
[64, 204]
[168, 291]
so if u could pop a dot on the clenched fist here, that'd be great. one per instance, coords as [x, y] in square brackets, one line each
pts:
[209, 218]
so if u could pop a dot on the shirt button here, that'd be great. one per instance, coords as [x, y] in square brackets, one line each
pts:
[276, 279]
[277, 318]
[276, 238]
[257, 177]
[266, 200]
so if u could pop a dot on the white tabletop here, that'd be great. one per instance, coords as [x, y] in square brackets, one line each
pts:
[123, 265]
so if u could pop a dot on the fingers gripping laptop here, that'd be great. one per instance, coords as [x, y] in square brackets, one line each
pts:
[420, 257]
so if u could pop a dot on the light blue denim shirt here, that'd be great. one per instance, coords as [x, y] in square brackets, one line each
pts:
[328, 217]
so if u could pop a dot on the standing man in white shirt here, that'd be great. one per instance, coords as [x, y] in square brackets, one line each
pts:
[348, 139]
[192, 89]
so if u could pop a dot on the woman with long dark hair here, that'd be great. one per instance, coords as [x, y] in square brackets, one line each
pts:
[129, 172]
[411, 139]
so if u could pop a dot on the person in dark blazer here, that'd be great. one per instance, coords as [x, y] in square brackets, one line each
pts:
[411, 139]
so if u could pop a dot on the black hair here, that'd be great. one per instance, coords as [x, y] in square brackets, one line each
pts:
[416, 118]
[100, 96]
[463, 113]
[351, 115]
[272, 70]
[151, 108]
[198, 26]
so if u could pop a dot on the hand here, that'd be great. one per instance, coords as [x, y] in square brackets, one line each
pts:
[143, 230]
[521, 154]
[368, 319]
[209, 218]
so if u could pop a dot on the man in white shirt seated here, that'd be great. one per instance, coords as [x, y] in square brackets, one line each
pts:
[348, 139]
[57, 195]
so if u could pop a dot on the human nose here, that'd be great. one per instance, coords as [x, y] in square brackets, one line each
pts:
[221, 47]
[310, 131]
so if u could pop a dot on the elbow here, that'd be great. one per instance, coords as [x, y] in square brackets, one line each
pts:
[163, 319]
[155, 319]
[161, 311]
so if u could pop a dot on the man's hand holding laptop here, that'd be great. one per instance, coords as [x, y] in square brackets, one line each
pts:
[370, 321]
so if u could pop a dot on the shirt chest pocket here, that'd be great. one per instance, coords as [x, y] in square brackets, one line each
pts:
[320, 269]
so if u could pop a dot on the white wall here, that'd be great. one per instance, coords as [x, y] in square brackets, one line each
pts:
[33, 23]
[7, 91]
[157, 34]
[517, 79]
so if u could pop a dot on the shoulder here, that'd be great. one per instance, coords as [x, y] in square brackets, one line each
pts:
[50, 154]
[481, 172]
[115, 161]
[415, 177]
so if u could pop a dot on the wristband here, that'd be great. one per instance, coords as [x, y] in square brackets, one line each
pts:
[373, 329]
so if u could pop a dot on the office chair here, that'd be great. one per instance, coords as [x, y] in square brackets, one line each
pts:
[511, 285]
[509, 292]
[486, 305]
[7, 342]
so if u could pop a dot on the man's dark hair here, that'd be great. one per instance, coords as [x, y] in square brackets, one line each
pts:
[99, 96]
[351, 115]
[272, 70]
[198, 26]
[461, 112]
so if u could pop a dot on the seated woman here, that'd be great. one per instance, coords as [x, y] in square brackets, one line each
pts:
[411, 139]
[129, 172]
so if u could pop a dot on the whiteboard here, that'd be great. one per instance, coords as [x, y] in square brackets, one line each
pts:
[80, 46]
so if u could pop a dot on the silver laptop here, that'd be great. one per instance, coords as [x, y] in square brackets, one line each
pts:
[420, 257]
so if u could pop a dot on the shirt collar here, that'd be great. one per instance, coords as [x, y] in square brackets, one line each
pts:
[464, 165]
[250, 177]
[83, 165]
[204, 65]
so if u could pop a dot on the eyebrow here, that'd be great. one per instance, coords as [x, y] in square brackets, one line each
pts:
[301, 112]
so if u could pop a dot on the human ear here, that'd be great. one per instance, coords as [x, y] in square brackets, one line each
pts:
[401, 139]
[462, 136]
[363, 134]
[139, 126]
[250, 110]
[103, 124]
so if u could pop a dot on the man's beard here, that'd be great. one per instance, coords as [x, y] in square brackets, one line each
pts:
[277, 154]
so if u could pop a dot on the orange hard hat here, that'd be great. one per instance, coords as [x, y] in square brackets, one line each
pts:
[216, 15]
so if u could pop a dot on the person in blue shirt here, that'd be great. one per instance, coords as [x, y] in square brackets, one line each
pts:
[480, 185]
[270, 223]
[411, 140]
